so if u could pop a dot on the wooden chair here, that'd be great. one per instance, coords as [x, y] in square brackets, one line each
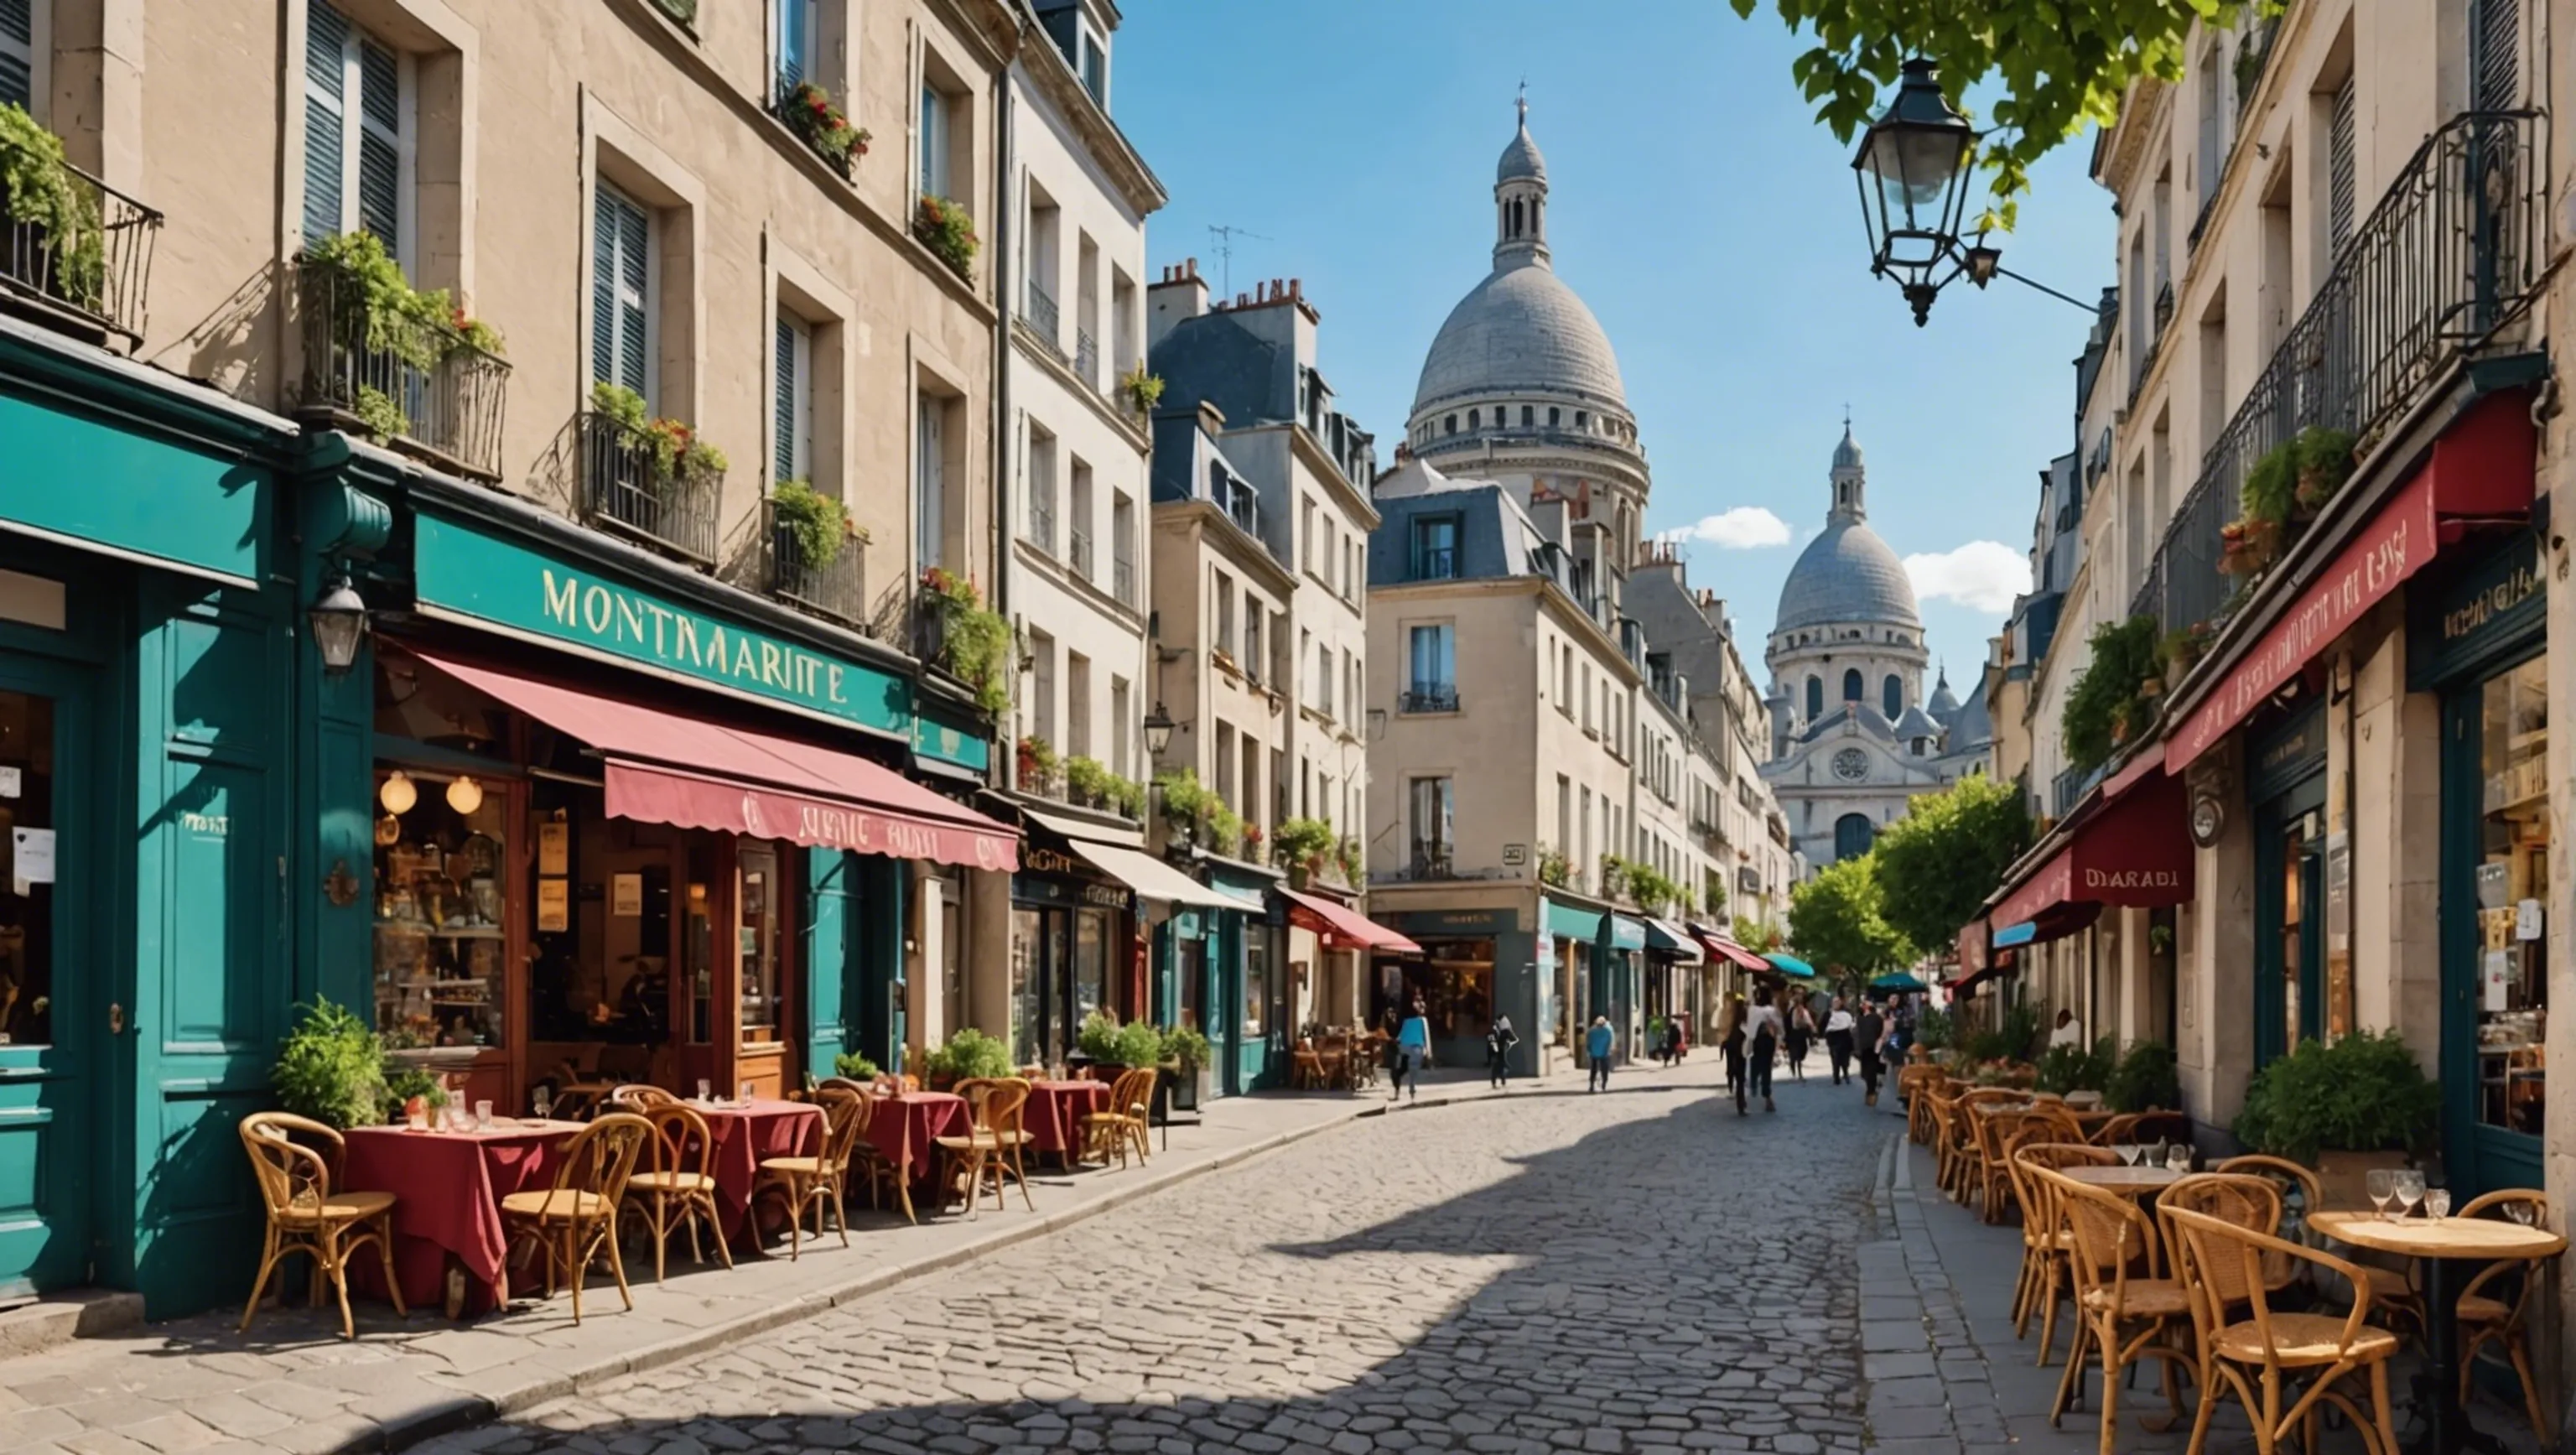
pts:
[2266, 1356]
[1306, 1065]
[1915, 1083]
[575, 1220]
[1967, 1125]
[2122, 1317]
[822, 1180]
[2491, 1312]
[675, 1187]
[989, 1147]
[2059, 1120]
[1947, 1147]
[2046, 1245]
[1120, 1128]
[2289, 1180]
[2144, 1126]
[638, 1096]
[1994, 1131]
[306, 1216]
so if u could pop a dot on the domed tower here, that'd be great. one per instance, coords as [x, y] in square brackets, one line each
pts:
[1847, 628]
[1521, 384]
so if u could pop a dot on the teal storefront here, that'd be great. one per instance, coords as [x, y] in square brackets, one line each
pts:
[1476, 964]
[2475, 639]
[1245, 1021]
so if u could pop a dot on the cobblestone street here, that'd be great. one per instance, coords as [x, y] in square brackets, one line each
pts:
[1633, 1271]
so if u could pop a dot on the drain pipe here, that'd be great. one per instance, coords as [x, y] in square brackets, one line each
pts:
[1004, 109]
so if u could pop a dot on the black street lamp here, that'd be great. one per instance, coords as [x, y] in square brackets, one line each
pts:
[1158, 731]
[339, 624]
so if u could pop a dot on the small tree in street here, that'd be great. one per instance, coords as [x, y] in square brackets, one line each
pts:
[1937, 864]
[1835, 921]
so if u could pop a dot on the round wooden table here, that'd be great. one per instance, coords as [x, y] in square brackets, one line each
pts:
[2452, 1250]
[2136, 1182]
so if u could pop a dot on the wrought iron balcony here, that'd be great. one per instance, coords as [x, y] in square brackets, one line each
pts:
[629, 483]
[89, 279]
[1086, 357]
[411, 381]
[2450, 255]
[1078, 553]
[1044, 320]
[834, 589]
[2164, 311]
[1426, 697]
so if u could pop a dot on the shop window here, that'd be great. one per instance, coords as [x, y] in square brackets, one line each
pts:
[1456, 984]
[2512, 892]
[759, 891]
[1092, 937]
[27, 892]
[1256, 979]
[440, 971]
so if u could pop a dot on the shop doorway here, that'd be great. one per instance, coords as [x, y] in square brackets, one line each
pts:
[1060, 965]
[2495, 947]
[2289, 929]
[52, 1001]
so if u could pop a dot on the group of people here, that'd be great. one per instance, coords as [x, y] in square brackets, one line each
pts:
[1753, 1037]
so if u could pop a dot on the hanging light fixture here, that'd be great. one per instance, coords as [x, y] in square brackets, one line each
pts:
[398, 793]
[1158, 731]
[1913, 167]
[464, 795]
[339, 623]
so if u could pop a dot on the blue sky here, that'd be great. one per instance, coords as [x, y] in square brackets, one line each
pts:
[1697, 207]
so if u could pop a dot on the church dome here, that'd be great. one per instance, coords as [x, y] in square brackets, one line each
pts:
[1521, 161]
[1521, 331]
[1944, 702]
[1847, 454]
[1847, 574]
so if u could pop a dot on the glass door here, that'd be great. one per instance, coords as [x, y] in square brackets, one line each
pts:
[2289, 938]
[761, 1056]
[49, 1007]
[2495, 901]
[1028, 983]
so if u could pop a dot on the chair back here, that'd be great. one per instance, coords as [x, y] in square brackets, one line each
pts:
[842, 1083]
[2108, 1231]
[2282, 1173]
[1975, 1094]
[292, 1178]
[2222, 1265]
[681, 1140]
[2240, 1198]
[846, 1114]
[2053, 1117]
[599, 1159]
[1133, 1093]
[2495, 1203]
[998, 1109]
[2145, 1126]
[637, 1095]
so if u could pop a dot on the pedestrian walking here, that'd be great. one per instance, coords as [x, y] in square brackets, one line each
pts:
[1499, 1041]
[1838, 1041]
[1730, 1043]
[1596, 1048]
[1412, 1050]
[1673, 1043]
[1802, 1031]
[1764, 1032]
[1870, 1033]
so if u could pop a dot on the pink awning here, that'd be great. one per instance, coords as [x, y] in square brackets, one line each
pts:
[1344, 928]
[1736, 955]
[665, 768]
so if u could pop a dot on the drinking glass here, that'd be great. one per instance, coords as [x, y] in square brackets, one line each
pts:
[2437, 1202]
[2381, 1184]
[2520, 1212]
[743, 1092]
[544, 1103]
[482, 1116]
[2410, 1191]
[2178, 1156]
[706, 1091]
[456, 1116]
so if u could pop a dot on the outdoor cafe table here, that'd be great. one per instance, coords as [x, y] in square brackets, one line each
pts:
[2452, 1250]
[907, 1128]
[1054, 1116]
[2132, 1182]
[447, 1189]
[742, 1134]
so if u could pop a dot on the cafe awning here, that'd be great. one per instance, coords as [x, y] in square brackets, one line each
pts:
[664, 768]
[1344, 928]
[1626, 932]
[1666, 938]
[2132, 850]
[1067, 826]
[1151, 877]
[1573, 922]
[1734, 954]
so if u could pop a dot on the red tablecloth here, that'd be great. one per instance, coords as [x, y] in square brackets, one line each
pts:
[1053, 1117]
[742, 1136]
[447, 1189]
[906, 1128]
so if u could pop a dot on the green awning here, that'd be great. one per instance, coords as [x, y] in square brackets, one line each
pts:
[1571, 922]
[1791, 965]
[1627, 933]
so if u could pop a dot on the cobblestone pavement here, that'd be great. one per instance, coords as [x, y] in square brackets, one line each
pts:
[1634, 1271]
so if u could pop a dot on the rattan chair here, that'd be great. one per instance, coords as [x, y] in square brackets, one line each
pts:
[2144, 1126]
[2494, 1312]
[1973, 1163]
[2122, 1317]
[2046, 1244]
[306, 1216]
[989, 1147]
[822, 1180]
[575, 1221]
[2269, 1355]
[1120, 1127]
[2288, 1179]
[636, 1096]
[1914, 1083]
[675, 1187]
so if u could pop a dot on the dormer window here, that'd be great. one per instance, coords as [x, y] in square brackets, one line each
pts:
[1092, 64]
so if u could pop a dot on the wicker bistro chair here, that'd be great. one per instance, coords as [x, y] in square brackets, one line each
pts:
[675, 1187]
[1949, 1147]
[1968, 1128]
[1995, 1132]
[637, 1096]
[2496, 1309]
[2046, 1243]
[820, 1181]
[1915, 1084]
[2120, 1316]
[2144, 1126]
[990, 1147]
[2300, 1194]
[575, 1221]
[1121, 1128]
[2271, 1356]
[306, 1216]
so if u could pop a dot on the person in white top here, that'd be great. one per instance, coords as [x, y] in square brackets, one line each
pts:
[1838, 1040]
[2069, 1032]
[1763, 1033]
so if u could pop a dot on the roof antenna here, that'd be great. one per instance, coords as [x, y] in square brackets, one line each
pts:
[1222, 237]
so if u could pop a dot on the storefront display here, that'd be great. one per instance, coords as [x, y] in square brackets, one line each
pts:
[2512, 886]
[441, 968]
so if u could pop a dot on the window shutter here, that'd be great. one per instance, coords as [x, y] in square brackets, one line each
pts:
[380, 143]
[632, 275]
[603, 289]
[795, 39]
[2339, 169]
[2499, 54]
[17, 53]
[326, 80]
[783, 461]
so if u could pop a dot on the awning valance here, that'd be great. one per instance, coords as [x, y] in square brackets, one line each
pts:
[1666, 938]
[1150, 877]
[1626, 932]
[2135, 850]
[1573, 922]
[1734, 954]
[1344, 928]
[662, 767]
[1071, 827]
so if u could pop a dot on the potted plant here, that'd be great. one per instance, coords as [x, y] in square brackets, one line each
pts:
[967, 1055]
[52, 211]
[1187, 1065]
[1301, 846]
[1143, 390]
[332, 1067]
[1187, 803]
[1089, 783]
[966, 637]
[2321, 460]
[945, 228]
[2361, 1103]
[2064, 1069]
[816, 522]
[855, 1067]
[809, 112]
[1037, 764]
[2144, 1079]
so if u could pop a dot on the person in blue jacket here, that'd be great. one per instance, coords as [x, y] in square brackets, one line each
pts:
[1412, 1049]
[1596, 1046]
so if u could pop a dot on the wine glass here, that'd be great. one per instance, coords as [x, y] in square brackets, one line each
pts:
[2178, 1156]
[544, 1103]
[2410, 1191]
[2437, 1202]
[706, 1091]
[2522, 1212]
[2381, 1184]
[2127, 1152]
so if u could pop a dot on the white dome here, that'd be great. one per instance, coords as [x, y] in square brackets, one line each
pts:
[1847, 575]
[1521, 331]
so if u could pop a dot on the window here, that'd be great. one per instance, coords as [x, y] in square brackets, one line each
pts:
[621, 283]
[1122, 551]
[1815, 697]
[1122, 706]
[1306, 533]
[1092, 64]
[2495, 60]
[1435, 670]
[792, 452]
[1256, 978]
[351, 85]
[1324, 678]
[1526, 413]
[1583, 689]
[1224, 612]
[795, 32]
[2340, 180]
[1551, 416]
[1891, 697]
[2503, 726]
[1582, 419]
[1851, 685]
[930, 482]
[1474, 419]
[1449, 425]
[1564, 813]
[1077, 705]
[1351, 682]
[1853, 834]
[1564, 679]
[1225, 762]
[1252, 613]
[1078, 513]
[1042, 718]
[1433, 825]
[935, 140]
[1435, 548]
[18, 53]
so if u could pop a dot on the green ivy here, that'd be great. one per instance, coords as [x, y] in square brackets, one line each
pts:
[37, 189]
[975, 642]
[819, 522]
[2105, 707]
[378, 310]
[379, 415]
[1143, 390]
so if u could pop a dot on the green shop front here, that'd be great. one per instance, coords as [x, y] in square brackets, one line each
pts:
[1476, 964]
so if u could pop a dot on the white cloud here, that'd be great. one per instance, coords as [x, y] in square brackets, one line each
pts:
[1981, 575]
[1745, 528]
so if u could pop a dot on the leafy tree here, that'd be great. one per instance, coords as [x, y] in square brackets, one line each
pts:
[1937, 864]
[2051, 65]
[1835, 921]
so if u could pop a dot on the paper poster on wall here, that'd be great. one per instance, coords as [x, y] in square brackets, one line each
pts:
[554, 841]
[12, 783]
[626, 894]
[2527, 923]
[32, 855]
[2493, 979]
[554, 906]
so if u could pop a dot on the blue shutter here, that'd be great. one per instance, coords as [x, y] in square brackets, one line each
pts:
[379, 143]
[603, 289]
[17, 53]
[795, 24]
[326, 36]
[618, 273]
[630, 304]
[783, 453]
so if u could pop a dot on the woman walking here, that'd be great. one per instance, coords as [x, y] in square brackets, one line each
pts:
[1412, 1050]
[1838, 1040]
[1499, 1041]
[1763, 1034]
[1730, 1041]
[1596, 1048]
[1802, 1031]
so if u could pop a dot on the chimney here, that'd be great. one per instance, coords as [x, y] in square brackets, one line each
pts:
[1178, 296]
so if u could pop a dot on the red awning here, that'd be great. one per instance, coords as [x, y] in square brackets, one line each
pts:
[1344, 928]
[1736, 955]
[664, 768]
[2481, 470]
[2134, 850]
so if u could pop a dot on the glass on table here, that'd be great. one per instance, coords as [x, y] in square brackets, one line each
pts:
[2178, 1156]
[2437, 1202]
[744, 1092]
[2381, 1184]
[543, 1103]
[706, 1091]
[2410, 1191]
[2127, 1152]
[482, 1116]
[2521, 1212]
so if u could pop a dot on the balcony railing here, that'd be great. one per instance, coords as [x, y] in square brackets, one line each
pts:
[1078, 553]
[2449, 256]
[1122, 580]
[1044, 320]
[836, 590]
[408, 380]
[1086, 357]
[622, 485]
[1428, 698]
[92, 282]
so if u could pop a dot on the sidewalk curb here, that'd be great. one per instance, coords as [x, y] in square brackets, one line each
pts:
[399, 1430]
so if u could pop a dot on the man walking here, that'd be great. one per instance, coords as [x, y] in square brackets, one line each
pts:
[1838, 1040]
[1869, 1037]
[1596, 1047]
[1499, 1041]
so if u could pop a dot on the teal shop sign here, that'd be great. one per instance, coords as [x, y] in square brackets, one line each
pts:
[462, 571]
[79, 480]
[950, 742]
